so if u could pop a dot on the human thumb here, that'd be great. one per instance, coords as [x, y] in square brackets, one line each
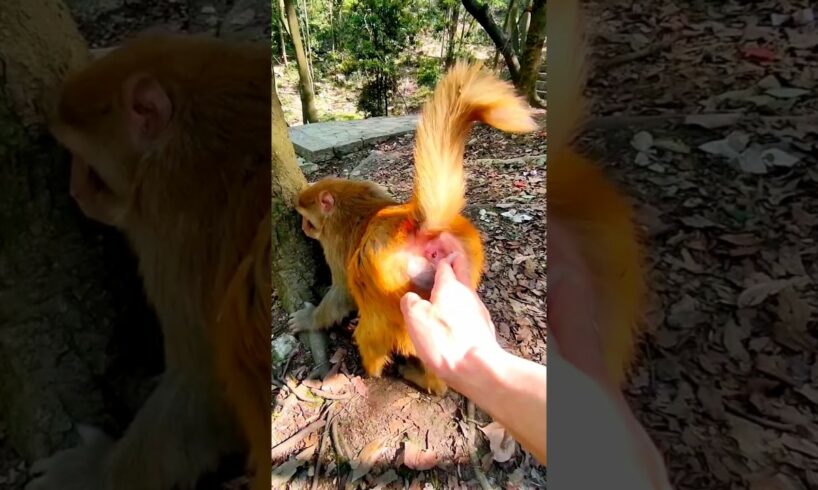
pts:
[416, 312]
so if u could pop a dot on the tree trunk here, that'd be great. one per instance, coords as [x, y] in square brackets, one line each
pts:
[451, 35]
[481, 13]
[297, 263]
[505, 29]
[523, 23]
[511, 31]
[332, 24]
[307, 38]
[283, 46]
[308, 111]
[77, 341]
[533, 54]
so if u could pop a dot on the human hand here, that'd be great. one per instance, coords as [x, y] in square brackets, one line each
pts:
[572, 303]
[453, 328]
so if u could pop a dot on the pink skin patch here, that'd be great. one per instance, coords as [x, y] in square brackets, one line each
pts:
[425, 253]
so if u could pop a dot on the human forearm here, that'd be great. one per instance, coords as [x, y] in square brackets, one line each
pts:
[510, 389]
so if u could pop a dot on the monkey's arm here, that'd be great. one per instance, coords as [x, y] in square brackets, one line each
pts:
[183, 430]
[334, 307]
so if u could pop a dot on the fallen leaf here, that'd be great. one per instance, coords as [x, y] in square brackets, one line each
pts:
[359, 385]
[712, 401]
[758, 53]
[642, 141]
[338, 356]
[366, 458]
[757, 293]
[778, 158]
[792, 328]
[385, 479]
[712, 121]
[675, 146]
[500, 441]
[282, 473]
[787, 92]
[810, 393]
[417, 458]
[734, 336]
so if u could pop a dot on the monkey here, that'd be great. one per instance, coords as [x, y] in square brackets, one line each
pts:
[169, 139]
[379, 249]
[586, 203]
[590, 212]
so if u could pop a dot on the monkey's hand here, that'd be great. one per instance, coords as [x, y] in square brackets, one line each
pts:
[78, 468]
[304, 319]
[334, 307]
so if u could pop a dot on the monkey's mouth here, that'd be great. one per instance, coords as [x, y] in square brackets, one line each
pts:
[85, 181]
[95, 182]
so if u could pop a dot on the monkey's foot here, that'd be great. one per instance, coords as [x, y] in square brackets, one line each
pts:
[77, 468]
[374, 364]
[423, 378]
[302, 320]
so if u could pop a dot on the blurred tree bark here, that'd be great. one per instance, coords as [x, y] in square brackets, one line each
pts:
[298, 267]
[309, 113]
[532, 56]
[77, 341]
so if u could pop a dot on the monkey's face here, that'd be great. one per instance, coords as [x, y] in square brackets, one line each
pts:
[100, 178]
[310, 223]
[108, 137]
[315, 204]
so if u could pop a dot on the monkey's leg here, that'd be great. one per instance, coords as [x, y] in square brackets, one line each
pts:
[181, 432]
[374, 342]
[333, 308]
[415, 372]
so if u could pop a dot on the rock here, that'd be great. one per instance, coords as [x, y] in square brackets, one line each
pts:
[374, 160]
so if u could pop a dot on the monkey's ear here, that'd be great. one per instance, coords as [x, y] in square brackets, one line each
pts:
[326, 201]
[148, 109]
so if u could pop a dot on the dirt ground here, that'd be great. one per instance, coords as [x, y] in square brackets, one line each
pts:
[106, 23]
[728, 381]
[385, 431]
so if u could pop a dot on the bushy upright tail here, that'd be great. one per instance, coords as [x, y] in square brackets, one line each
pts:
[584, 199]
[566, 81]
[466, 94]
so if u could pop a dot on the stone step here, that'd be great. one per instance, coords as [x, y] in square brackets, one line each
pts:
[322, 141]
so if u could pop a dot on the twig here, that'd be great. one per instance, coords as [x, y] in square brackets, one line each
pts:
[324, 436]
[287, 364]
[331, 396]
[475, 462]
[337, 443]
[641, 53]
[286, 446]
[506, 161]
[293, 388]
[770, 424]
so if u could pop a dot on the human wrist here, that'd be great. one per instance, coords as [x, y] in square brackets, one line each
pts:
[479, 368]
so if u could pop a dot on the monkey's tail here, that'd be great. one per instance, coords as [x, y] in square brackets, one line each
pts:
[466, 94]
[587, 201]
[566, 51]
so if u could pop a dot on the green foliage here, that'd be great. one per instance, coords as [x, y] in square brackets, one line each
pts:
[369, 45]
[377, 32]
[429, 72]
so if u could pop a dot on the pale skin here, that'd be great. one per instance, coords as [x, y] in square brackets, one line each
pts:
[454, 336]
